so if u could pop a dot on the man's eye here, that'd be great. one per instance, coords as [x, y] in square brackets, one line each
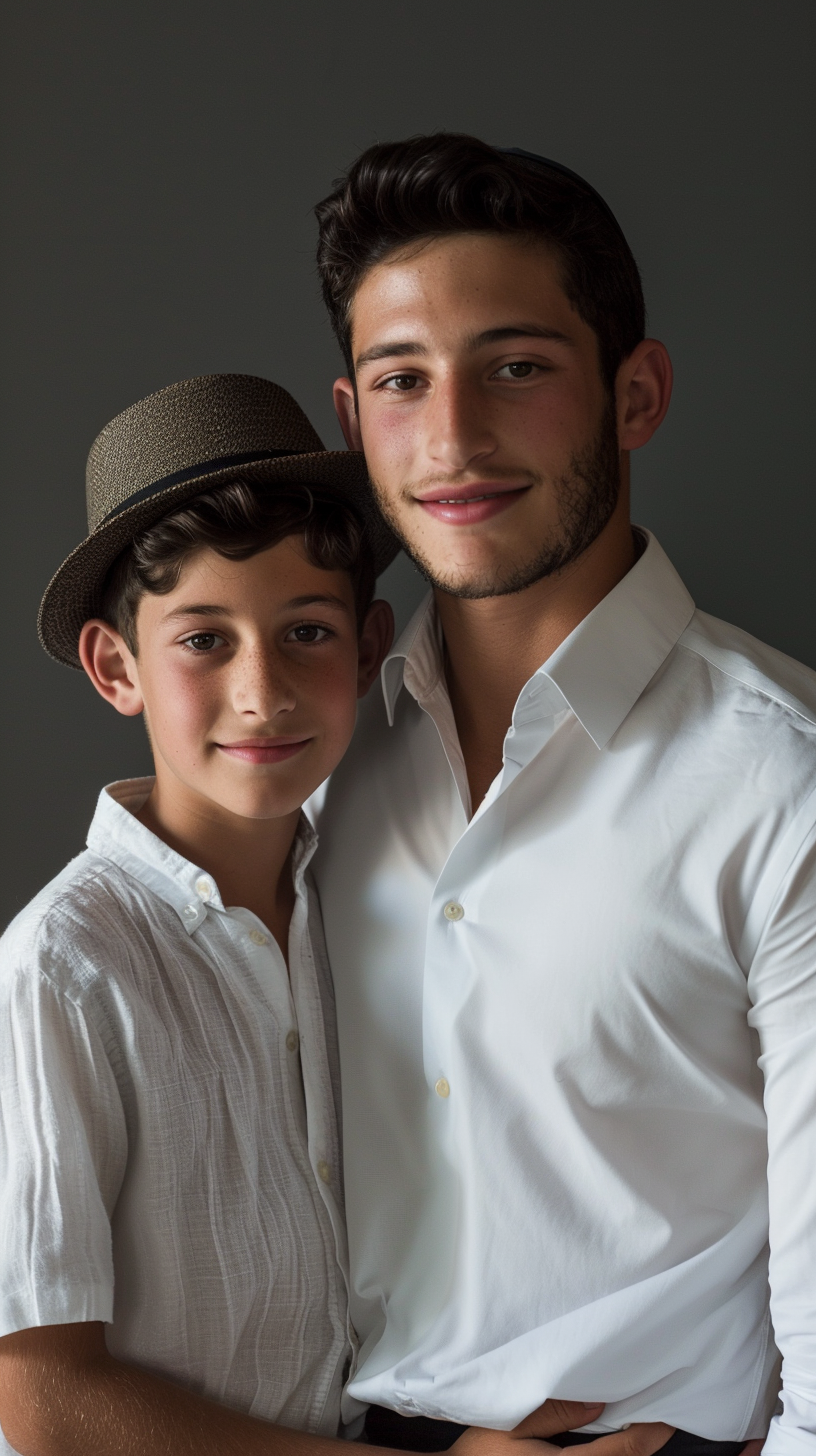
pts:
[402, 382]
[308, 632]
[202, 641]
[519, 369]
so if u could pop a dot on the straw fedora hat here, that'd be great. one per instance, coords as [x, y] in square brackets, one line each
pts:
[174, 445]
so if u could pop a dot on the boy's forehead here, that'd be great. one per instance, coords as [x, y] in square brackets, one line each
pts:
[276, 576]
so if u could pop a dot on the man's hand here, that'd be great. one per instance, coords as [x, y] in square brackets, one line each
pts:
[553, 1417]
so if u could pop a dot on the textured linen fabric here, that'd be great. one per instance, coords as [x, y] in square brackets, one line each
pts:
[169, 1158]
[578, 1030]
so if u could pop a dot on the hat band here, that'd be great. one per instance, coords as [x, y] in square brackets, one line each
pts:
[204, 467]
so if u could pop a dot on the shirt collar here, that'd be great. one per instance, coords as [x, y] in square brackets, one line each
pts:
[417, 654]
[600, 670]
[119, 836]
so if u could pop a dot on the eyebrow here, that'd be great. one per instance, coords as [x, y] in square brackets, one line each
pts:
[198, 609]
[399, 348]
[326, 600]
[518, 331]
[211, 609]
[389, 351]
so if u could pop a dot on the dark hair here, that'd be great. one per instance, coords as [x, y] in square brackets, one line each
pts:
[429, 186]
[238, 519]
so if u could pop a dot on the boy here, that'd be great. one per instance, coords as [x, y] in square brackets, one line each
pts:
[169, 1141]
[169, 1145]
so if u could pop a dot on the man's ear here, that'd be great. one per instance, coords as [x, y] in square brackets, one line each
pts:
[375, 642]
[111, 666]
[642, 390]
[345, 403]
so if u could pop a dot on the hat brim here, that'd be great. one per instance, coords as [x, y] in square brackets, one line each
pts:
[72, 596]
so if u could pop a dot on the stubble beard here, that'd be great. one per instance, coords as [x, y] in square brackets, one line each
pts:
[586, 496]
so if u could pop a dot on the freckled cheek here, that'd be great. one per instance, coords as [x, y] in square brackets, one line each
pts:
[543, 443]
[390, 440]
[334, 706]
[569, 418]
[181, 708]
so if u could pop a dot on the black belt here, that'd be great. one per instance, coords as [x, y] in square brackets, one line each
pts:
[422, 1433]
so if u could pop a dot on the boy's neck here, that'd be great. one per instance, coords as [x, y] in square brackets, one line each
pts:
[249, 859]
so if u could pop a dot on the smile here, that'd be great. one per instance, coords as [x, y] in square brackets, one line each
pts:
[269, 750]
[467, 500]
[470, 509]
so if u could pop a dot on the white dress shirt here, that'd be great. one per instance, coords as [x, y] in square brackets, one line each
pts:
[169, 1153]
[578, 1030]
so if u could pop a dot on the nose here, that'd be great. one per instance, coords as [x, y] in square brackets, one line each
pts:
[458, 432]
[262, 687]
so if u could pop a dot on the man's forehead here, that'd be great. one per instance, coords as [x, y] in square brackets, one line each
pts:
[459, 260]
[470, 285]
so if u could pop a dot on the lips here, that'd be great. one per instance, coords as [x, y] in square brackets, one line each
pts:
[467, 505]
[264, 750]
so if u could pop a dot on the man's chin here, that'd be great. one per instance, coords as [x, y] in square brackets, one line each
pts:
[469, 586]
[500, 575]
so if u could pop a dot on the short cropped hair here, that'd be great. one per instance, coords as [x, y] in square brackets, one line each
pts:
[397, 193]
[238, 519]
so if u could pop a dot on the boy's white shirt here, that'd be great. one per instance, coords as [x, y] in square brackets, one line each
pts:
[169, 1148]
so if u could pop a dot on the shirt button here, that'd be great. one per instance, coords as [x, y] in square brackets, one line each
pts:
[292, 1040]
[190, 912]
[203, 887]
[453, 911]
[442, 1087]
[257, 937]
[324, 1171]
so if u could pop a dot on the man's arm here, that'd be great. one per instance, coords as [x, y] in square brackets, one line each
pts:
[63, 1394]
[782, 985]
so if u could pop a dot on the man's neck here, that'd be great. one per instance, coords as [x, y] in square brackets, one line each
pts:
[494, 645]
[249, 859]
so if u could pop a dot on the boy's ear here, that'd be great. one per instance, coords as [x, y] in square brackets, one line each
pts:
[111, 666]
[375, 641]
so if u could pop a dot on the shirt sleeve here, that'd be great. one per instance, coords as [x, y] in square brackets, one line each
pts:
[63, 1148]
[782, 986]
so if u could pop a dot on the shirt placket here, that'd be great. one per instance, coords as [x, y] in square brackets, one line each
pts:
[453, 919]
[323, 1147]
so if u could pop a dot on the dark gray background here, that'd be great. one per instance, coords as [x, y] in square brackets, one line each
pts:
[161, 164]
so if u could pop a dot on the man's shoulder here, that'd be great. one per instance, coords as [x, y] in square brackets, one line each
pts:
[67, 931]
[777, 686]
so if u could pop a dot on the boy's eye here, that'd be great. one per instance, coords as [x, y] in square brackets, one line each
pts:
[202, 641]
[308, 632]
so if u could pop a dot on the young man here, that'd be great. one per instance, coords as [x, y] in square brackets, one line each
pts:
[168, 1143]
[574, 949]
